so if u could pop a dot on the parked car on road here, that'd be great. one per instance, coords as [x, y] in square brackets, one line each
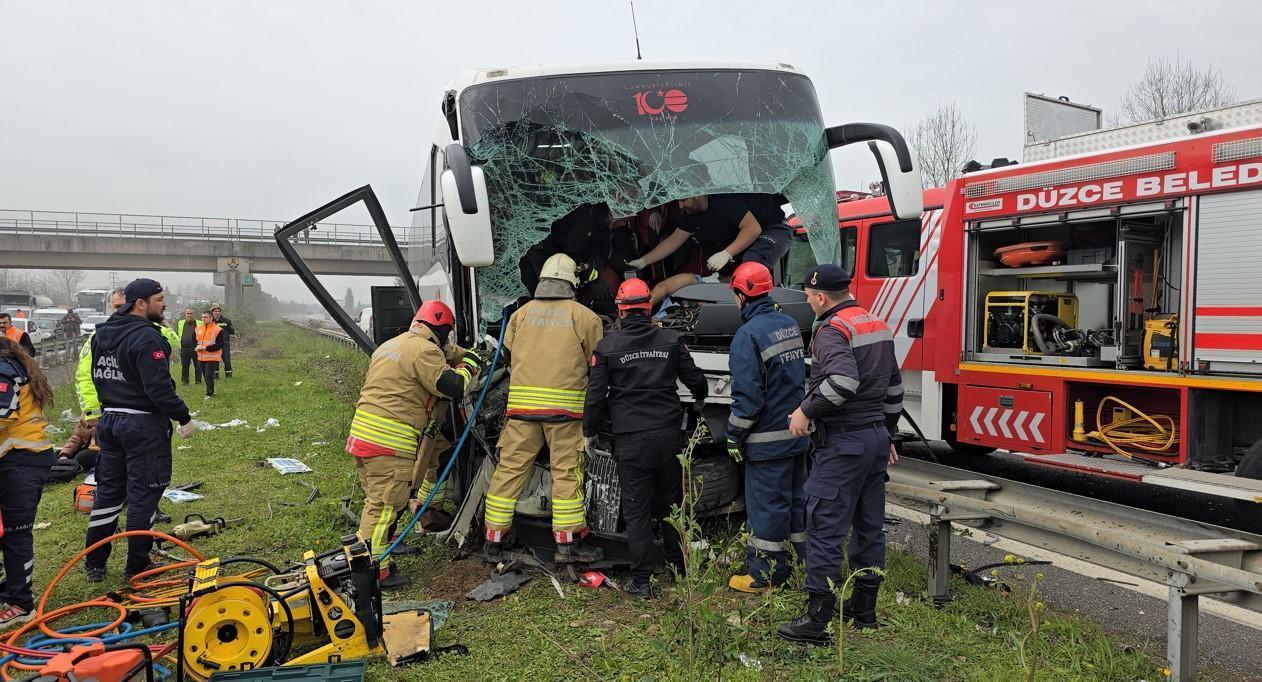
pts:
[89, 323]
[57, 322]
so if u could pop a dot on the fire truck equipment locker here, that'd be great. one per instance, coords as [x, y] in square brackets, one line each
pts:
[1227, 332]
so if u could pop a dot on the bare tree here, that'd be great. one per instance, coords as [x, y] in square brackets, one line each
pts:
[944, 141]
[1170, 88]
[62, 284]
[14, 280]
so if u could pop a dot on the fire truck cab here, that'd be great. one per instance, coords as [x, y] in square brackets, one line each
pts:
[1100, 311]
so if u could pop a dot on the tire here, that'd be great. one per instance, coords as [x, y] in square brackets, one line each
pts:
[1250, 513]
[720, 482]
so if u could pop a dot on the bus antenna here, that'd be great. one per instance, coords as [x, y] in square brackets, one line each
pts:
[635, 27]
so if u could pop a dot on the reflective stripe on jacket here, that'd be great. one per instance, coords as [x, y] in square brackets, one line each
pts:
[207, 336]
[854, 371]
[399, 392]
[89, 404]
[550, 342]
[22, 422]
[768, 367]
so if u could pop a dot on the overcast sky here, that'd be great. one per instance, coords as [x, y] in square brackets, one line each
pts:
[268, 109]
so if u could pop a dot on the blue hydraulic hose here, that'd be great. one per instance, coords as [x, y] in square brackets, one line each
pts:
[468, 427]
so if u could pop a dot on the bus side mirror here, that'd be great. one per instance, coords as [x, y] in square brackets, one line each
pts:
[466, 208]
[907, 199]
[898, 173]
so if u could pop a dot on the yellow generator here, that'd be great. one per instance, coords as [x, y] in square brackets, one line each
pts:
[1011, 316]
[1160, 350]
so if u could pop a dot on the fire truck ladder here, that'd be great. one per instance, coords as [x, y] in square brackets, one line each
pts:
[1190, 558]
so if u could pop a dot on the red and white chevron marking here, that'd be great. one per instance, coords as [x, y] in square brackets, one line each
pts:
[1010, 423]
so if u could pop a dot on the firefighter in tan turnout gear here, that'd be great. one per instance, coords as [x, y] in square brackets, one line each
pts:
[406, 378]
[547, 344]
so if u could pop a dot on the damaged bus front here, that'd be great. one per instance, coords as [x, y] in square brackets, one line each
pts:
[593, 161]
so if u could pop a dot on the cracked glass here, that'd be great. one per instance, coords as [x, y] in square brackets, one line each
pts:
[638, 140]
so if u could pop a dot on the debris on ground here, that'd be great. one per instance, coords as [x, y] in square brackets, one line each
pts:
[592, 579]
[184, 447]
[41, 525]
[297, 383]
[319, 442]
[288, 465]
[749, 661]
[232, 423]
[178, 496]
[499, 585]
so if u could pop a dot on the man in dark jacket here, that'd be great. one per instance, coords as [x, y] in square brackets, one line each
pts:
[854, 398]
[633, 380]
[132, 376]
[186, 329]
[768, 368]
[225, 338]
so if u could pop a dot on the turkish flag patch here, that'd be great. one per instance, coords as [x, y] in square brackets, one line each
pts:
[4, 386]
[159, 355]
[593, 359]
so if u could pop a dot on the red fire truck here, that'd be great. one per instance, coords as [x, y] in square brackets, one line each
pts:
[1101, 311]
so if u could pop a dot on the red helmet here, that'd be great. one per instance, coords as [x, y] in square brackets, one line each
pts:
[633, 294]
[752, 279]
[435, 314]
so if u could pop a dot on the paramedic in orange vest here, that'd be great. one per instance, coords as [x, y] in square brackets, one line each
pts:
[548, 344]
[209, 351]
[406, 378]
[26, 455]
[16, 335]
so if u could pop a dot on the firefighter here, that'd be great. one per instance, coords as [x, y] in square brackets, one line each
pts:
[406, 377]
[768, 369]
[854, 398]
[547, 344]
[633, 380]
[130, 361]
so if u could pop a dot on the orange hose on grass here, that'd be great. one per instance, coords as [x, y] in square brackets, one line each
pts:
[48, 591]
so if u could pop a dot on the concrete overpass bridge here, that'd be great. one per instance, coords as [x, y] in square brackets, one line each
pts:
[229, 247]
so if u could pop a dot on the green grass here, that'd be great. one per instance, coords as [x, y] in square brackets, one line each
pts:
[534, 634]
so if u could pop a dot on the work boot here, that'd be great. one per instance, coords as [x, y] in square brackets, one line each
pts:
[812, 626]
[404, 549]
[577, 553]
[435, 521]
[638, 588]
[493, 552]
[393, 581]
[749, 584]
[860, 607]
[94, 574]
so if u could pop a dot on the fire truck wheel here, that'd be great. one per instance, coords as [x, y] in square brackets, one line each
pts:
[1250, 466]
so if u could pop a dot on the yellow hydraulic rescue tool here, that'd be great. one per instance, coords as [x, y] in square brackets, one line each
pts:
[327, 610]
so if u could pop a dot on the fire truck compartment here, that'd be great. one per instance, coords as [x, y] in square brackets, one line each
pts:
[1090, 304]
[1023, 420]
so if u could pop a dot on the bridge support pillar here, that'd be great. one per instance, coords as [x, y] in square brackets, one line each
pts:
[233, 291]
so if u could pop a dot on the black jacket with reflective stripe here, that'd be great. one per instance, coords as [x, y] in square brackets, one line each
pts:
[633, 378]
[854, 379]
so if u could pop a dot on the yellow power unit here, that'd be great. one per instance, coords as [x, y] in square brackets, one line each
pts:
[1160, 349]
[1010, 317]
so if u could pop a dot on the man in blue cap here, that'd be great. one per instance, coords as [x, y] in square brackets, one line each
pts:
[131, 372]
[854, 398]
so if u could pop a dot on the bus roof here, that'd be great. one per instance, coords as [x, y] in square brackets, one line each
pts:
[475, 76]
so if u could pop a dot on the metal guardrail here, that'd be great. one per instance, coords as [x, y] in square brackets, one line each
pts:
[117, 225]
[58, 350]
[1190, 558]
[335, 335]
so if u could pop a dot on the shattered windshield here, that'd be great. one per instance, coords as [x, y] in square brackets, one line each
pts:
[638, 140]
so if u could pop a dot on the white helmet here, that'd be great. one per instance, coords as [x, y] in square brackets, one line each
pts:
[560, 266]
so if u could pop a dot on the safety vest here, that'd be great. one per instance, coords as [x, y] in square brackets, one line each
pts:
[206, 335]
[27, 429]
[14, 334]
